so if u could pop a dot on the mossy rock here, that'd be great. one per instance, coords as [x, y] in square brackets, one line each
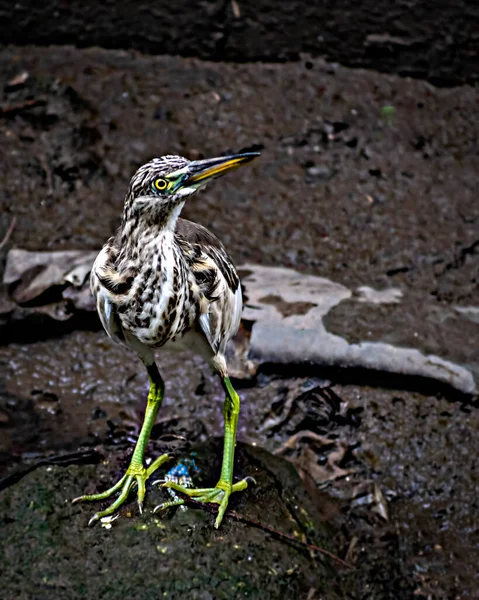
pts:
[49, 552]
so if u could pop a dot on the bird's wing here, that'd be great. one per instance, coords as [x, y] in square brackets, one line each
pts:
[108, 316]
[216, 276]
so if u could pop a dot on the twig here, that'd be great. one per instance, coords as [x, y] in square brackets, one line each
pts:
[15, 108]
[297, 437]
[48, 173]
[9, 232]
[287, 536]
[236, 9]
[268, 528]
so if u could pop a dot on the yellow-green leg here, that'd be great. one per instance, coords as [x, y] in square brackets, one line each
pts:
[224, 488]
[136, 474]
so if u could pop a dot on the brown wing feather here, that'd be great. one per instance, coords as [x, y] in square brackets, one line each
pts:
[199, 245]
[217, 279]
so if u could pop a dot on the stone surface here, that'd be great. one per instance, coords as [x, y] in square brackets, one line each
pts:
[49, 552]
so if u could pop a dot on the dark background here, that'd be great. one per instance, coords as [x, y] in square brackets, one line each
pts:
[434, 40]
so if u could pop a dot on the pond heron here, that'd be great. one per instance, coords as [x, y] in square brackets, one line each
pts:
[165, 282]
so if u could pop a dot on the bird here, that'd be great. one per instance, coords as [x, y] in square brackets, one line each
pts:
[166, 282]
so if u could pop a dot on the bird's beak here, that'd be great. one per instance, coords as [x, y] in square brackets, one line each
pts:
[200, 172]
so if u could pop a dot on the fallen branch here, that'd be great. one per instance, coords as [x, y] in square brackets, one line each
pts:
[6, 237]
[281, 534]
[276, 338]
[12, 109]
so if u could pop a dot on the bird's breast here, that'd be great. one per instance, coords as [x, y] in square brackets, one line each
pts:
[160, 306]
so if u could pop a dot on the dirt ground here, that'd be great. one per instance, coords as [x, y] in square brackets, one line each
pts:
[364, 178]
[414, 38]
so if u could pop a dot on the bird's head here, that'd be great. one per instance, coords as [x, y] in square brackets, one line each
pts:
[159, 188]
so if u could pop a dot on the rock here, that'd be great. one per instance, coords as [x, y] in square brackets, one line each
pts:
[49, 552]
[320, 172]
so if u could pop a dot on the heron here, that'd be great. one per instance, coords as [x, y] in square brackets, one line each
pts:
[165, 282]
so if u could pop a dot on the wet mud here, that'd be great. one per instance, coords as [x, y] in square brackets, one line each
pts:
[364, 178]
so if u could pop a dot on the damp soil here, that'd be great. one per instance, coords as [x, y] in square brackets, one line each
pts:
[364, 178]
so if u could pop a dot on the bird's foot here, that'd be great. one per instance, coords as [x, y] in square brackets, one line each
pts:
[219, 495]
[135, 476]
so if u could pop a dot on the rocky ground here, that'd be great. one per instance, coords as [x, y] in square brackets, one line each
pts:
[365, 179]
[171, 556]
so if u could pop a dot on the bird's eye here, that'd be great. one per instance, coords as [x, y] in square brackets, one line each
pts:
[161, 184]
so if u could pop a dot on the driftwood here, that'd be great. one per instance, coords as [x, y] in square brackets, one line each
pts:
[283, 319]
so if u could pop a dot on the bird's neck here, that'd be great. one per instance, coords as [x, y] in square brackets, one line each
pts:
[139, 226]
[146, 213]
[173, 216]
[139, 234]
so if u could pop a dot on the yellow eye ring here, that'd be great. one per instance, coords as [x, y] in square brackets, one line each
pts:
[161, 184]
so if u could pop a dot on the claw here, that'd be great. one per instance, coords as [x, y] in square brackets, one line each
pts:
[165, 505]
[94, 519]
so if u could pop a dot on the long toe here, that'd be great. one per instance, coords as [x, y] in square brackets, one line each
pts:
[135, 477]
[222, 510]
[102, 495]
[218, 495]
[116, 504]
[170, 504]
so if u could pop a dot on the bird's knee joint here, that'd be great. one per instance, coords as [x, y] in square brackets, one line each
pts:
[231, 409]
[155, 394]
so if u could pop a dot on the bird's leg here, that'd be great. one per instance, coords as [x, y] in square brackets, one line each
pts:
[136, 474]
[224, 488]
